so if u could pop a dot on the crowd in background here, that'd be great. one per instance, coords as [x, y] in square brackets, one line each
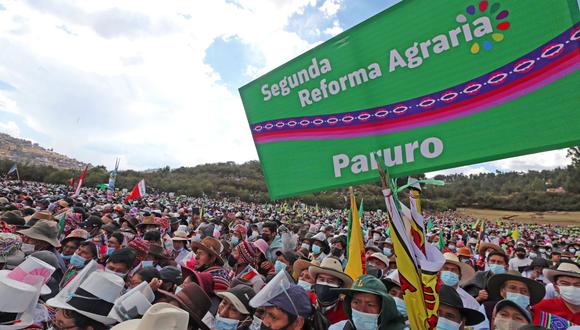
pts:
[95, 261]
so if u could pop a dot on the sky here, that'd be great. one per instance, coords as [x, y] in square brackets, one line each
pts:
[155, 82]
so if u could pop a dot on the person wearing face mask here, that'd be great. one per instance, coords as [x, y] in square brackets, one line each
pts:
[535, 270]
[302, 275]
[452, 314]
[369, 307]
[380, 262]
[270, 235]
[338, 249]
[288, 310]
[512, 286]
[519, 261]
[498, 263]
[507, 315]
[319, 247]
[234, 311]
[120, 262]
[284, 261]
[239, 233]
[386, 247]
[86, 252]
[71, 243]
[566, 279]
[180, 245]
[329, 275]
[393, 286]
[465, 256]
[42, 236]
[455, 273]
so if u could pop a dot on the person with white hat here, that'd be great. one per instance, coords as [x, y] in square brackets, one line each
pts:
[87, 306]
[159, 316]
[329, 275]
[319, 247]
[566, 279]
[455, 273]
[180, 245]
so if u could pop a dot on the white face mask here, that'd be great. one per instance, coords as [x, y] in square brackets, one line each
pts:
[256, 323]
[570, 294]
[447, 324]
[27, 248]
[223, 323]
[507, 324]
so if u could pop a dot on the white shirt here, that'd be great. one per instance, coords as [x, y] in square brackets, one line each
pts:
[516, 262]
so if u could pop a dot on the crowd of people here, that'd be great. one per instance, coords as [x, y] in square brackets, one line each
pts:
[95, 261]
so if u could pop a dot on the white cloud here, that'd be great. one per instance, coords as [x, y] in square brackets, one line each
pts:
[10, 128]
[467, 170]
[123, 78]
[539, 161]
[331, 7]
[334, 29]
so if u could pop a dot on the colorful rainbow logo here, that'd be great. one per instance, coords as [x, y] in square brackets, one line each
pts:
[500, 23]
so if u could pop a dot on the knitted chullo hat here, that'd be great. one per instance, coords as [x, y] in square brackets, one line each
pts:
[247, 252]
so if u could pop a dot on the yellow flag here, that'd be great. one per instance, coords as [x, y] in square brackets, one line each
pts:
[516, 234]
[356, 265]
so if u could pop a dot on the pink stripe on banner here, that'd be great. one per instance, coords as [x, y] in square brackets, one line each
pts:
[524, 87]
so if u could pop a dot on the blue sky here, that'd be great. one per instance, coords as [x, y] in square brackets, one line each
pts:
[155, 82]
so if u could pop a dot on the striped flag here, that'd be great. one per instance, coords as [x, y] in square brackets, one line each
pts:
[418, 263]
[80, 182]
[113, 176]
[138, 191]
[356, 264]
[481, 234]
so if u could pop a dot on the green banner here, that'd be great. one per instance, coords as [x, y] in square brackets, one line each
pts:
[422, 86]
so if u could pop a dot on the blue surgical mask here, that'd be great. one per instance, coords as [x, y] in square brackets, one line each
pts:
[387, 251]
[449, 278]
[305, 285]
[279, 266]
[222, 323]
[447, 324]
[365, 321]
[256, 323]
[497, 269]
[197, 237]
[147, 263]
[533, 255]
[306, 246]
[66, 257]
[77, 261]
[316, 249]
[177, 289]
[401, 307]
[520, 299]
[235, 240]
[110, 250]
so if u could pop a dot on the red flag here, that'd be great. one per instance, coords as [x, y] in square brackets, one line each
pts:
[71, 182]
[80, 182]
[138, 191]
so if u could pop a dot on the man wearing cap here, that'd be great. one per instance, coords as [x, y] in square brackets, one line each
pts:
[289, 310]
[520, 261]
[319, 247]
[368, 306]
[452, 314]
[180, 245]
[566, 279]
[379, 262]
[509, 315]
[329, 275]
[234, 311]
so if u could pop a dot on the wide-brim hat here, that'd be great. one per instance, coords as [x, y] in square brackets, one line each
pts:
[302, 264]
[194, 301]
[563, 269]
[467, 272]
[158, 316]
[20, 301]
[76, 234]
[380, 257]
[210, 245]
[365, 284]
[148, 220]
[31, 267]
[484, 246]
[494, 284]
[240, 297]
[333, 267]
[464, 252]
[94, 298]
[43, 230]
[448, 296]
[180, 236]
[25, 319]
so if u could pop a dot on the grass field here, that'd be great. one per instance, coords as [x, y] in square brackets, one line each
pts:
[554, 217]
